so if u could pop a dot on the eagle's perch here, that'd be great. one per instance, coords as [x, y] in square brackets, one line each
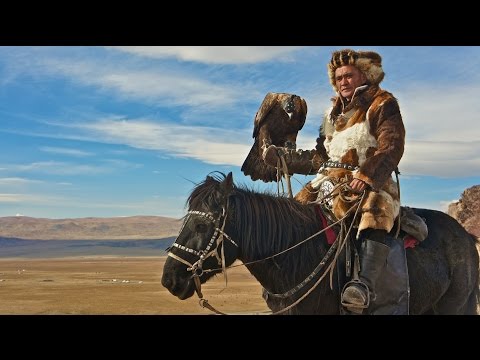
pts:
[277, 122]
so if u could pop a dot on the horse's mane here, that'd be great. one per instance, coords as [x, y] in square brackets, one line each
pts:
[267, 223]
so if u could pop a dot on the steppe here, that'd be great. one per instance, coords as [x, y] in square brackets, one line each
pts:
[114, 285]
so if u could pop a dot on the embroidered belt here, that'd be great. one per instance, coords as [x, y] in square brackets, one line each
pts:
[337, 164]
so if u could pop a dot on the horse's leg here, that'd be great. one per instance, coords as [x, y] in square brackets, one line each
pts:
[472, 306]
[458, 297]
[428, 282]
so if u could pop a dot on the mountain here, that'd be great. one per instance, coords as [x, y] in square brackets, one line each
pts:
[118, 228]
[467, 210]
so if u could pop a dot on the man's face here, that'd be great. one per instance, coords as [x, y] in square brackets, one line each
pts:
[347, 79]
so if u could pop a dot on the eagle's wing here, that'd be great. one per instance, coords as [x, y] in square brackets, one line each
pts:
[304, 110]
[267, 105]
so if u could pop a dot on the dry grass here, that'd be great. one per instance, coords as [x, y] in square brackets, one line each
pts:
[85, 285]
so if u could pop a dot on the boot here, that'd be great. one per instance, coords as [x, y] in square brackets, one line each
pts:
[306, 162]
[356, 294]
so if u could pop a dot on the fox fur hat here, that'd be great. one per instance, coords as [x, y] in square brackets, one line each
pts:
[368, 62]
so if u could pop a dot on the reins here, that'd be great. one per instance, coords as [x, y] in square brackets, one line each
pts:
[219, 235]
[340, 241]
[282, 170]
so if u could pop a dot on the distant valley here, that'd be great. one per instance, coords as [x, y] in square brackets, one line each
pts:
[11, 247]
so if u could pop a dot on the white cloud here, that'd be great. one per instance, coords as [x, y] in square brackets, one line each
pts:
[155, 84]
[440, 205]
[166, 87]
[214, 54]
[59, 168]
[442, 114]
[443, 159]
[17, 181]
[442, 131]
[65, 151]
[211, 145]
[200, 95]
[164, 206]
[29, 198]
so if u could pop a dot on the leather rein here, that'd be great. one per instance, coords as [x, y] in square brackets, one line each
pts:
[219, 236]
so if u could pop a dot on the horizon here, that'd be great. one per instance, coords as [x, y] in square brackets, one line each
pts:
[85, 217]
[92, 131]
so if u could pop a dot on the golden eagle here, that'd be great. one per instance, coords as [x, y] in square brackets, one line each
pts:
[277, 122]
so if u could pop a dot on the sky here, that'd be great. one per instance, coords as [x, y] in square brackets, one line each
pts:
[91, 131]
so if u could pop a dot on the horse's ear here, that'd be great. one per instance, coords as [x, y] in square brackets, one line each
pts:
[228, 183]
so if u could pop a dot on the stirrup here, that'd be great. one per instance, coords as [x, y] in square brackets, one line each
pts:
[354, 308]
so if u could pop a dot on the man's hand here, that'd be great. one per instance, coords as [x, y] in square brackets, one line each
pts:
[358, 185]
[270, 156]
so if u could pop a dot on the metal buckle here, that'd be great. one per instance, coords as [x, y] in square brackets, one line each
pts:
[326, 189]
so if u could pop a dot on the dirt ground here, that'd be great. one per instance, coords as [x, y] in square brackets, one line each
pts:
[114, 286]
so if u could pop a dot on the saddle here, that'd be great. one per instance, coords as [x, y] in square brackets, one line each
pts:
[413, 224]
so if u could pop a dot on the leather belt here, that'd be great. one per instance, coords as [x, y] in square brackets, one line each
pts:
[337, 164]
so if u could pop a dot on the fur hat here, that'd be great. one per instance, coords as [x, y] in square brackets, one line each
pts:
[368, 62]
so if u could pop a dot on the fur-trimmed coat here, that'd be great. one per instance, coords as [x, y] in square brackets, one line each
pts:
[369, 133]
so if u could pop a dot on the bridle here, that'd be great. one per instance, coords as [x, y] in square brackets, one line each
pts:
[217, 238]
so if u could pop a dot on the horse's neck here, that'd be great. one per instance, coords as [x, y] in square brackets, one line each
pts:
[267, 234]
[278, 279]
[281, 273]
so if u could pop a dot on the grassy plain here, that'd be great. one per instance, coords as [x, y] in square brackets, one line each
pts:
[106, 285]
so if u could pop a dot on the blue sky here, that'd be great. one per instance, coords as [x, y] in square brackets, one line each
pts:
[121, 131]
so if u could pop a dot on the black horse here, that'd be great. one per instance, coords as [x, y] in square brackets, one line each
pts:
[226, 222]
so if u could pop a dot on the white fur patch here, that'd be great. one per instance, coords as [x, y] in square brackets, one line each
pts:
[319, 179]
[355, 137]
[328, 114]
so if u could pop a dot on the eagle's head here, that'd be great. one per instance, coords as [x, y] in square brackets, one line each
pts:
[289, 105]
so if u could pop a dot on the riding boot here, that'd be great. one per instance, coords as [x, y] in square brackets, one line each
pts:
[356, 294]
[306, 162]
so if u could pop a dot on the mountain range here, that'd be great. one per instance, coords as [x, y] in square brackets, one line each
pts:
[119, 228]
[28, 237]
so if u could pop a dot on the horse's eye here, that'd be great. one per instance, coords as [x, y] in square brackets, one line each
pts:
[201, 228]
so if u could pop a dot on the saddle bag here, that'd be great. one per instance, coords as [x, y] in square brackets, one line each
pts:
[413, 224]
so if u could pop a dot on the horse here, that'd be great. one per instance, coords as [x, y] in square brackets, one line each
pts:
[226, 222]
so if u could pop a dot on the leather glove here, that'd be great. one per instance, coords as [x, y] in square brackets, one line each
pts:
[271, 155]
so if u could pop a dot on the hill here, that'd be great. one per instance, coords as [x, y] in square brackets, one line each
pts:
[467, 210]
[119, 228]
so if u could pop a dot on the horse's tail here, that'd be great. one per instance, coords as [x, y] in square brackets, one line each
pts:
[473, 303]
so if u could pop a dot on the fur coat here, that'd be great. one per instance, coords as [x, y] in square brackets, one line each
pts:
[369, 134]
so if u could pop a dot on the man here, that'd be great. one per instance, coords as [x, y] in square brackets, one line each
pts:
[361, 142]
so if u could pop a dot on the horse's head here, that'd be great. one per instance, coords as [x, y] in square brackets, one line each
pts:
[202, 247]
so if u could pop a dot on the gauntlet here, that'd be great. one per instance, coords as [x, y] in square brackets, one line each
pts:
[306, 162]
